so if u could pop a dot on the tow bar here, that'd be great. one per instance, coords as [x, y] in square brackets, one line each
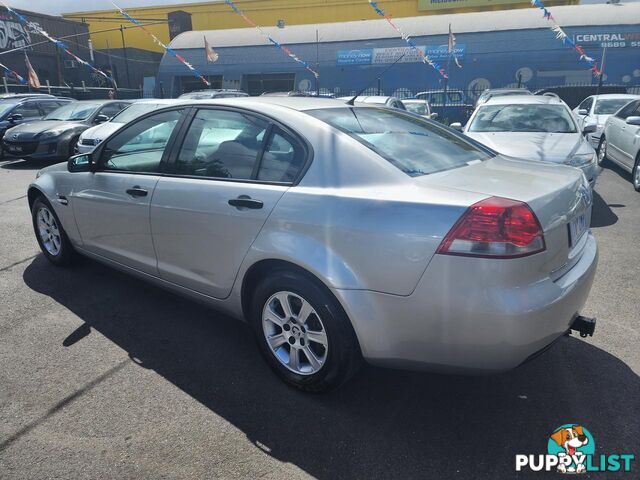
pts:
[585, 326]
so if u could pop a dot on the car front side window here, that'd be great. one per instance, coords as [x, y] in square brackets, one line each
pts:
[221, 144]
[140, 147]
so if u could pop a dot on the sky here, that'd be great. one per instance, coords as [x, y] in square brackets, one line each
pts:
[56, 7]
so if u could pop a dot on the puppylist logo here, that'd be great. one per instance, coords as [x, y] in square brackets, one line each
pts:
[571, 449]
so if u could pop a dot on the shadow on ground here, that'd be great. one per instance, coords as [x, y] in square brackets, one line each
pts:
[601, 213]
[19, 164]
[384, 423]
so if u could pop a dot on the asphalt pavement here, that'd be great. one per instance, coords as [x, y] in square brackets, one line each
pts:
[103, 376]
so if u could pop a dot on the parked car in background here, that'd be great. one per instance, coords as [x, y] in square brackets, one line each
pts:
[338, 231]
[15, 110]
[419, 107]
[55, 136]
[92, 137]
[381, 100]
[213, 93]
[533, 127]
[454, 109]
[500, 92]
[620, 140]
[596, 109]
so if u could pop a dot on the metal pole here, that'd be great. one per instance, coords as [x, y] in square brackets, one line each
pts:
[317, 62]
[600, 79]
[113, 74]
[124, 54]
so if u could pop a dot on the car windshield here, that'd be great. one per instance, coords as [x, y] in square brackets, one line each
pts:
[609, 106]
[523, 118]
[414, 145]
[135, 110]
[416, 107]
[73, 111]
[6, 107]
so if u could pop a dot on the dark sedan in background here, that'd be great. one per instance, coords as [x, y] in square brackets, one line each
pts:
[17, 109]
[56, 135]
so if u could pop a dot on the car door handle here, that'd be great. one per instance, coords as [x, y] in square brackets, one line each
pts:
[136, 191]
[244, 201]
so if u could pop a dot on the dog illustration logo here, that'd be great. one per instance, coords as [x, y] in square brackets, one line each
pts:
[572, 443]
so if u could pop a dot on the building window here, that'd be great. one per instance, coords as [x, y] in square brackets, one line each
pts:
[270, 82]
[190, 84]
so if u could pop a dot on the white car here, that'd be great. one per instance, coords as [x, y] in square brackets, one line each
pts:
[533, 127]
[419, 107]
[92, 137]
[620, 140]
[380, 100]
[596, 109]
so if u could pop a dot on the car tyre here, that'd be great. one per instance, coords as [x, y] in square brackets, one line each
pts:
[314, 327]
[52, 238]
[602, 151]
[635, 174]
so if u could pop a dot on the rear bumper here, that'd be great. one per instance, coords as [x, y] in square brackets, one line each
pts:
[469, 318]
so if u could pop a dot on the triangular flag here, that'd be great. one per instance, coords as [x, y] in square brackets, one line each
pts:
[32, 76]
[452, 40]
[212, 56]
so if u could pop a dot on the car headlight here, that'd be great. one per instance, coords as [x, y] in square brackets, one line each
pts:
[52, 133]
[581, 160]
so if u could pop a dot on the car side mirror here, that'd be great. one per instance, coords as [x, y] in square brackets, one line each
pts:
[456, 126]
[434, 115]
[583, 112]
[634, 120]
[14, 117]
[590, 128]
[101, 119]
[81, 163]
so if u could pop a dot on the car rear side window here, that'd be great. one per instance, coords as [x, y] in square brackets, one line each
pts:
[221, 144]
[414, 145]
[140, 146]
[283, 158]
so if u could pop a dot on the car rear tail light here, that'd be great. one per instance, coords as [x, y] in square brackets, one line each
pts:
[495, 228]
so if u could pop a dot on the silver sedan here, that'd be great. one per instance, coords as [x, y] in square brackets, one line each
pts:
[534, 127]
[340, 233]
[620, 141]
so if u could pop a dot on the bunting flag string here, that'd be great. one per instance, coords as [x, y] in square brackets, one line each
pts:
[168, 49]
[566, 39]
[13, 73]
[274, 42]
[408, 39]
[35, 28]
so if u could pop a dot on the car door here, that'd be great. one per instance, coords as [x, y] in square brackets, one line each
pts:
[28, 110]
[587, 104]
[111, 205]
[616, 131]
[223, 181]
[628, 143]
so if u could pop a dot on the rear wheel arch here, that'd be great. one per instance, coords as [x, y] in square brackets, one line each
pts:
[262, 269]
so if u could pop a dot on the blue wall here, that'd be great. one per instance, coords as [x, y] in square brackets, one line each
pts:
[491, 59]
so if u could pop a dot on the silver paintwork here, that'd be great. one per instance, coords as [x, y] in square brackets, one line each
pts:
[543, 146]
[623, 142]
[364, 229]
[295, 333]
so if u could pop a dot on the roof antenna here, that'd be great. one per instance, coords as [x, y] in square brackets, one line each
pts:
[351, 102]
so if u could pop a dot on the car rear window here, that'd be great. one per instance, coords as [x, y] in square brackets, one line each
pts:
[414, 145]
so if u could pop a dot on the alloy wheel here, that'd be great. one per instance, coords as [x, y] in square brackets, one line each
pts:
[295, 333]
[48, 231]
[636, 177]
